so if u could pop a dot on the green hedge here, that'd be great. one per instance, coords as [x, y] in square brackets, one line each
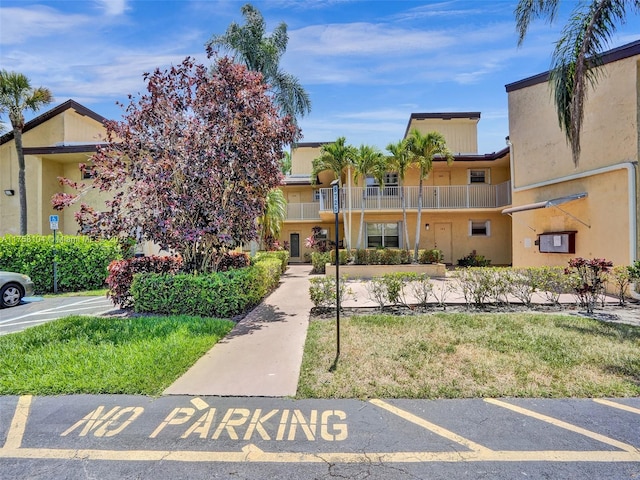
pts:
[221, 294]
[281, 255]
[82, 263]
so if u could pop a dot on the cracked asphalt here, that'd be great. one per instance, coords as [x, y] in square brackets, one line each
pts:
[134, 437]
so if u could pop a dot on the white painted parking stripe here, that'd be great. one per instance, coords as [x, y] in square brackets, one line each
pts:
[56, 309]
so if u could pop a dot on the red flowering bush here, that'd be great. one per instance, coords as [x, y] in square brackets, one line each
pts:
[121, 274]
[591, 277]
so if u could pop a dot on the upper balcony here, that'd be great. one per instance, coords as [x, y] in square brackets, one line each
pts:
[451, 197]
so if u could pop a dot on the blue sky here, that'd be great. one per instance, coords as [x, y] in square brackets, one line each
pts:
[367, 65]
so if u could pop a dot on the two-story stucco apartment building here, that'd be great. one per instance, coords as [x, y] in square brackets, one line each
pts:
[462, 203]
[55, 143]
[562, 211]
[526, 204]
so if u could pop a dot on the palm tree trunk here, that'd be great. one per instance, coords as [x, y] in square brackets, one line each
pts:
[418, 223]
[361, 217]
[22, 184]
[403, 201]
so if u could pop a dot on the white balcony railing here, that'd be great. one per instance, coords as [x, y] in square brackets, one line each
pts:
[303, 211]
[445, 197]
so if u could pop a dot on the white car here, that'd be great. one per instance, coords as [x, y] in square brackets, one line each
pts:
[14, 286]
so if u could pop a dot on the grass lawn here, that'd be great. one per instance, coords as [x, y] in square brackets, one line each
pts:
[84, 293]
[77, 354]
[461, 355]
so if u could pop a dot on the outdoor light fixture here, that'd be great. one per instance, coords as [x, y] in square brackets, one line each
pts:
[426, 226]
[9, 192]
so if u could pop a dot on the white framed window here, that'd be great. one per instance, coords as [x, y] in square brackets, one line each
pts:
[479, 228]
[316, 194]
[381, 235]
[478, 175]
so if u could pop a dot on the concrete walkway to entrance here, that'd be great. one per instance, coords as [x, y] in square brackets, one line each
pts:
[262, 355]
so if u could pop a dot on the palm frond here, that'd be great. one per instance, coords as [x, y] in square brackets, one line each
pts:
[528, 10]
[576, 55]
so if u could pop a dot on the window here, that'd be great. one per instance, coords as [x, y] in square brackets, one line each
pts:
[479, 228]
[316, 195]
[380, 235]
[87, 172]
[479, 176]
[390, 185]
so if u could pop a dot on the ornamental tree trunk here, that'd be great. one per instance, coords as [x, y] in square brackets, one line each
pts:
[22, 184]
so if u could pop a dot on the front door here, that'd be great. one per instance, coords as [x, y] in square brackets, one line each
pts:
[294, 245]
[443, 240]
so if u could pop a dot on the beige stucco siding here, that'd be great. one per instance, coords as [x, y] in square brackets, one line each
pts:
[605, 211]
[609, 135]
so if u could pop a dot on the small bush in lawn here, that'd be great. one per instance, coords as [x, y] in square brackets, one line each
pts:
[478, 285]
[319, 261]
[592, 279]
[430, 256]
[622, 278]
[552, 282]
[395, 284]
[121, 274]
[322, 291]
[376, 291]
[422, 288]
[524, 282]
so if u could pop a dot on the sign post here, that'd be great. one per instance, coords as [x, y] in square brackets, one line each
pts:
[336, 211]
[53, 224]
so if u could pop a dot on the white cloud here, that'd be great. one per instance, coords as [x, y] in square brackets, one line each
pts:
[113, 7]
[19, 25]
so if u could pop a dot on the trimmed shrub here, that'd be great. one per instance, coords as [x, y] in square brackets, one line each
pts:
[319, 261]
[430, 256]
[121, 274]
[281, 255]
[322, 291]
[81, 262]
[343, 254]
[233, 261]
[221, 294]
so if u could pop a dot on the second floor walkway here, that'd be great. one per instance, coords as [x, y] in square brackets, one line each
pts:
[452, 197]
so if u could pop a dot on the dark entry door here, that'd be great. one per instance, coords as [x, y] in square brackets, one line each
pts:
[294, 245]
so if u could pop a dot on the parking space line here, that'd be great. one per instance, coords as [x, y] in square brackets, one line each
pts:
[567, 426]
[620, 406]
[443, 432]
[19, 423]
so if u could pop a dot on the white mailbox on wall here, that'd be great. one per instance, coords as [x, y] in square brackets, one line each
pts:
[557, 242]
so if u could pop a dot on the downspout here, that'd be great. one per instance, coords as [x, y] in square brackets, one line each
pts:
[631, 168]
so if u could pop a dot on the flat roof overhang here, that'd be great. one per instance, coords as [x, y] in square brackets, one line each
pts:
[545, 204]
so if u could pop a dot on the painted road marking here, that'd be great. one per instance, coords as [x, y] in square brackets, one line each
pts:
[251, 453]
[565, 425]
[620, 406]
[443, 432]
[57, 310]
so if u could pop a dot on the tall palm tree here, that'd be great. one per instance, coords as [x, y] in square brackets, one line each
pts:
[368, 161]
[400, 161]
[17, 95]
[577, 53]
[423, 149]
[285, 163]
[260, 53]
[335, 157]
[275, 213]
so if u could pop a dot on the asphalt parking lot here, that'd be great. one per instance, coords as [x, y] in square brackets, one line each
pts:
[37, 310]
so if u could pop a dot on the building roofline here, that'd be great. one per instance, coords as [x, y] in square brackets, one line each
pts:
[610, 56]
[310, 144]
[58, 149]
[473, 157]
[440, 116]
[48, 115]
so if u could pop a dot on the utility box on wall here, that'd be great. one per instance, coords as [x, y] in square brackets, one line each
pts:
[557, 242]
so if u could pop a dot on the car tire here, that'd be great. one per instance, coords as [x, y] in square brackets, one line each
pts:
[10, 295]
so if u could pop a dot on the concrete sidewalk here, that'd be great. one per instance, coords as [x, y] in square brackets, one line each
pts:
[262, 355]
